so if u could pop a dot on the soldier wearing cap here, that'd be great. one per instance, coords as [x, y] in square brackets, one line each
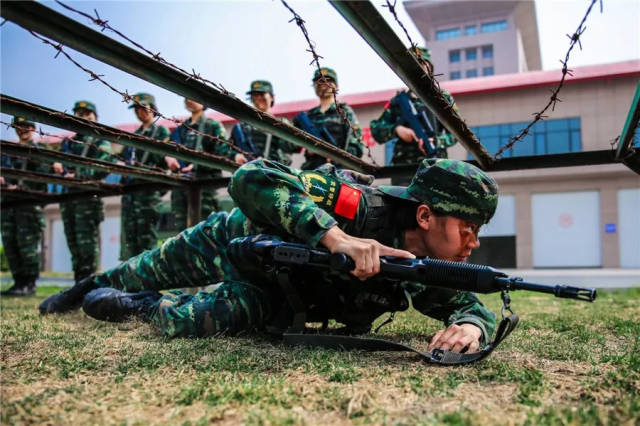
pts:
[202, 134]
[391, 128]
[326, 121]
[82, 218]
[438, 215]
[22, 227]
[139, 215]
[254, 141]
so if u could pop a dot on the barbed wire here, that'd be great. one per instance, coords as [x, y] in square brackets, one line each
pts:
[316, 60]
[104, 24]
[128, 98]
[554, 99]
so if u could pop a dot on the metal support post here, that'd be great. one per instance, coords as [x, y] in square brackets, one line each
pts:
[194, 200]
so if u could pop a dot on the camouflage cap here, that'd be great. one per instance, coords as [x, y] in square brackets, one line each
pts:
[424, 53]
[144, 99]
[89, 106]
[22, 122]
[260, 86]
[449, 99]
[325, 72]
[453, 188]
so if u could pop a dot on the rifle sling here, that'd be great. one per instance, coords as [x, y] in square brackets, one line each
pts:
[437, 356]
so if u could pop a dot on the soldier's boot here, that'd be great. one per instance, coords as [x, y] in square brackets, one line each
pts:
[69, 299]
[110, 304]
[21, 287]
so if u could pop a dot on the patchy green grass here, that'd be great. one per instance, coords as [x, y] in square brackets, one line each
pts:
[567, 363]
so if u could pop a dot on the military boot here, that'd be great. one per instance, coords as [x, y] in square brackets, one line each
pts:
[21, 287]
[69, 299]
[110, 304]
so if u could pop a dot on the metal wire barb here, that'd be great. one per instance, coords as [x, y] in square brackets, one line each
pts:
[553, 99]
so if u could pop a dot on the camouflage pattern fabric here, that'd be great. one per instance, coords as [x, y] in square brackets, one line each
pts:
[336, 126]
[82, 218]
[277, 200]
[184, 135]
[452, 188]
[138, 215]
[22, 227]
[279, 150]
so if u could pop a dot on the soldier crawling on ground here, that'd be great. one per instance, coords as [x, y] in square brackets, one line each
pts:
[438, 215]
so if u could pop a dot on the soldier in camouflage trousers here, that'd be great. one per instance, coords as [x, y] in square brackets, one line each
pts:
[139, 216]
[326, 118]
[82, 218]
[408, 148]
[438, 215]
[192, 134]
[22, 227]
[249, 138]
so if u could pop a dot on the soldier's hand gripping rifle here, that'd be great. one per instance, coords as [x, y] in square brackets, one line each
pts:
[243, 141]
[279, 258]
[419, 122]
[303, 121]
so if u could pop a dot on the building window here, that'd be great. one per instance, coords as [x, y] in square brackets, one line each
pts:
[493, 27]
[455, 75]
[454, 56]
[545, 137]
[471, 54]
[486, 71]
[487, 51]
[447, 34]
[471, 73]
[470, 30]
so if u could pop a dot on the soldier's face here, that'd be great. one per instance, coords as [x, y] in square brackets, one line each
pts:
[324, 87]
[143, 114]
[450, 238]
[86, 114]
[193, 106]
[261, 100]
[25, 133]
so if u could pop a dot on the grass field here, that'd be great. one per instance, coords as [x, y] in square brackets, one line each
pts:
[567, 363]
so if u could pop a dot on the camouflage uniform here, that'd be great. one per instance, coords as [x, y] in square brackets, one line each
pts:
[82, 218]
[184, 135]
[301, 206]
[278, 149]
[344, 136]
[139, 216]
[22, 227]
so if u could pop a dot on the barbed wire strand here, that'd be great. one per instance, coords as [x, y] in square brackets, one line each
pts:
[127, 98]
[316, 60]
[554, 99]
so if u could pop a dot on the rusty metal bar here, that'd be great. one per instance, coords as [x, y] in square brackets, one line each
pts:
[48, 155]
[40, 114]
[49, 178]
[36, 17]
[365, 19]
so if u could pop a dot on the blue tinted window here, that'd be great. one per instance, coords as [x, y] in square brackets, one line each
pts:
[471, 73]
[471, 54]
[454, 56]
[447, 34]
[455, 75]
[558, 142]
[470, 30]
[541, 143]
[636, 138]
[492, 27]
[487, 51]
[576, 141]
[487, 71]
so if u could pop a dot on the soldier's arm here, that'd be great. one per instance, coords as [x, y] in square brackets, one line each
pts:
[355, 133]
[212, 146]
[102, 152]
[164, 135]
[453, 307]
[382, 129]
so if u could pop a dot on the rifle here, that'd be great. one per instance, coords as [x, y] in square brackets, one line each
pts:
[303, 121]
[243, 142]
[278, 259]
[418, 121]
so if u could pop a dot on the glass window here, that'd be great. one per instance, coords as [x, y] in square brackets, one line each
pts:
[487, 51]
[470, 30]
[492, 27]
[454, 56]
[447, 34]
[487, 71]
[471, 54]
[455, 75]
[471, 73]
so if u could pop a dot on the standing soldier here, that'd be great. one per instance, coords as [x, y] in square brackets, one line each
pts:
[139, 215]
[81, 218]
[325, 122]
[404, 119]
[191, 134]
[22, 227]
[254, 141]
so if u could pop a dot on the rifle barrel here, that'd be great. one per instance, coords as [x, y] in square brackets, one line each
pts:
[569, 292]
